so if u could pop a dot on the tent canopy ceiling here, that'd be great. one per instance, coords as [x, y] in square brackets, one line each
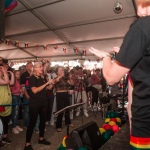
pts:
[65, 24]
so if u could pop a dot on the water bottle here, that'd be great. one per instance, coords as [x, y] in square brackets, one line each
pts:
[21, 95]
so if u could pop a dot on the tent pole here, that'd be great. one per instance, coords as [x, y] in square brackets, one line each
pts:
[2, 20]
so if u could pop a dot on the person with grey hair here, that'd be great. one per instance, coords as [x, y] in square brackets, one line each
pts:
[37, 104]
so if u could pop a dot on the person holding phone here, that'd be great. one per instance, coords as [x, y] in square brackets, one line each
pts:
[5, 99]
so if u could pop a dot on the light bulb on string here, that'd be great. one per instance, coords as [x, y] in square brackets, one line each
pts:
[118, 7]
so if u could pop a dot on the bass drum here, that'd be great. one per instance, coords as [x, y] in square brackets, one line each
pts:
[1, 129]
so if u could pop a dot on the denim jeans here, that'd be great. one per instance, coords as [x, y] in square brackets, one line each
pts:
[26, 111]
[15, 108]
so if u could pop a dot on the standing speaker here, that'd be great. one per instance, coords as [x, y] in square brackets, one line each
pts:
[87, 136]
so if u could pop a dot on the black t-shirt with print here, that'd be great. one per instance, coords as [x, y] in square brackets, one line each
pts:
[39, 97]
[135, 55]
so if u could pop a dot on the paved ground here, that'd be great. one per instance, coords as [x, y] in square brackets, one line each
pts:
[54, 137]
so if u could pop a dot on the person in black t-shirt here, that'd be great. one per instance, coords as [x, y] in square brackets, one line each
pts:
[24, 80]
[134, 57]
[37, 104]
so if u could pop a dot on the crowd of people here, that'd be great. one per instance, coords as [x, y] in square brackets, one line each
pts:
[28, 93]
[133, 57]
[34, 84]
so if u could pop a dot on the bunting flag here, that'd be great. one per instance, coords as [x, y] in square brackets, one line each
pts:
[98, 60]
[43, 60]
[55, 47]
[7, 42]
[16, 43]
[37, 46]
[26, 45]
[45, 47]
[64, 49]
[84, 52]
[75, 50]
[49, 59]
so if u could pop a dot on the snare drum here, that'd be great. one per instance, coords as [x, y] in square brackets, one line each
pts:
[1, 129]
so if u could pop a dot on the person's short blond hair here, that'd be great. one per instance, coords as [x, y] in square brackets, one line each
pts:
[143, 3]
[33, 72]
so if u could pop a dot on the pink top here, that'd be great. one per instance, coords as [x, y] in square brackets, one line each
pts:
[15, 89]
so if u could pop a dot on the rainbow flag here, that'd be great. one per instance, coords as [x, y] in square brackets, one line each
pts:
[138, 143]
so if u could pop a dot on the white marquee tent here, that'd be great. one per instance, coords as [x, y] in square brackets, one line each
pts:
[60, 25]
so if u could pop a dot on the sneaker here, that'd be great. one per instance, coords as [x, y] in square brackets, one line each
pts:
[36, 131]
[47, 123]
[71, 125]
[77, 113]
[29, 147]
[19, 129]
[2, 145]
[15, 131]
[86, 114]
[45, 142]
[6, 140]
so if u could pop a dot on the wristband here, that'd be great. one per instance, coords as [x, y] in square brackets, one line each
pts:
[111, 55]
[106, 55]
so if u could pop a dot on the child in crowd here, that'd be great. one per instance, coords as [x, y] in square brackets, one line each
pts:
[16, 100]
